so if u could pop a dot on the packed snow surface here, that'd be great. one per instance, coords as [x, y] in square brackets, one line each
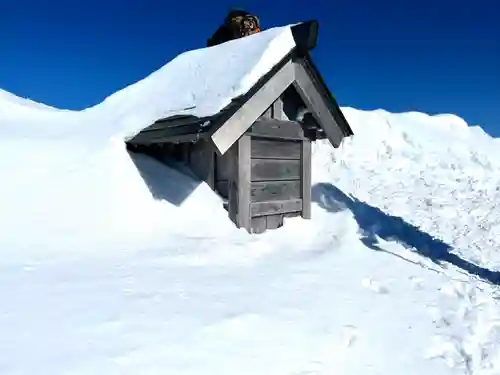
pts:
[113, 263]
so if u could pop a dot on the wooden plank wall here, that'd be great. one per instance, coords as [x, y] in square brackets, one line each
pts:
[276, 189]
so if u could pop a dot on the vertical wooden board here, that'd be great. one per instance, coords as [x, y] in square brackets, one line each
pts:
[306, 167]
[201, 161]
[275, 149]
[278, 112]
[274, 221]
[211, 167]
[222, 187]
[223, 166]
[232, 182]
[259, 224]
[244, 177]
[272, 169]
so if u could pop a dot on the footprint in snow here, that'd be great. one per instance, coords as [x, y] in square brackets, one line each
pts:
[374, 286]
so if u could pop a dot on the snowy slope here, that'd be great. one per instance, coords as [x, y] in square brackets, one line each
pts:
[113, 263]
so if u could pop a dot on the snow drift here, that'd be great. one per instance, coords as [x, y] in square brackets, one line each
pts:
[114, 263]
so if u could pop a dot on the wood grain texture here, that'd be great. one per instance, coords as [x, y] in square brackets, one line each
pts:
[278, 112]
[201, 160]
[275, 170]
[223, 166]
[259, 224]
[275, 207]
[249, 112]
[274, 221]
[306, 167]
[275, 149]
[316, 103]
[244, 174]
[275, 190]
[277, 128]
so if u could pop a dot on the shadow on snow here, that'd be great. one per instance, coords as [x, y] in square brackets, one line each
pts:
[172, 183]
[374, 222]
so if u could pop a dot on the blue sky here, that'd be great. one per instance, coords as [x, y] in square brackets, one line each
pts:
[435, 56]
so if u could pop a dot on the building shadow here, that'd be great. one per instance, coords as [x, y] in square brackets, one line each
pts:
[172, 182]
[374, 223]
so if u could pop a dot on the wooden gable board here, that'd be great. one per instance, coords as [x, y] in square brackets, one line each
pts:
[316, 104]
[293, 72]
[234, 127]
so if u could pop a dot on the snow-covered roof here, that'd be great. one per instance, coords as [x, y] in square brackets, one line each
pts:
[199, 82]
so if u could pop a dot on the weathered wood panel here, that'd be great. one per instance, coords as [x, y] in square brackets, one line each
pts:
[274, 170]
[277, 128]
[275, 190]
[249, 112]
[275, 149]
[306, 179]
[274, 221]
[278, 112]
[223, 166]
[232, 183]
[306, 88]
[244, 174]
[275, 207]
[200, 158]
[222, 187]
[259, 224]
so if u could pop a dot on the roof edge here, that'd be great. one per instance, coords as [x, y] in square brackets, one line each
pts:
[309, 65]
[305, 35]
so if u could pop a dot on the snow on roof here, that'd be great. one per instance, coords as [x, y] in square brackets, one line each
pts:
[199, 82]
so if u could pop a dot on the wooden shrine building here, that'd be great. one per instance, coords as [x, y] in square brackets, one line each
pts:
[256, 152]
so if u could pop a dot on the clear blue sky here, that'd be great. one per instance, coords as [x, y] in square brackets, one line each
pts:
[432, 56]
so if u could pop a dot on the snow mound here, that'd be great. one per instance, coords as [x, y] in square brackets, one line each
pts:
[114, 263]
[8, 101]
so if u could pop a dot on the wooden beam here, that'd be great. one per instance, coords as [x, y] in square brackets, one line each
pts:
[306, 167]
[280, 128]
[273, 149]
[316, 104]
[249, 112]
[275, 207]
[244, 180]
[278, 112]
[275, 190]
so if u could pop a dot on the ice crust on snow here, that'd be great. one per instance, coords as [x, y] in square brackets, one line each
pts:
[114, 263]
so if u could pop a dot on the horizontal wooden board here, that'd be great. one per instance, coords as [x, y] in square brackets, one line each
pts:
[276, 207]
[275, 190]
[275, 149]
[277, 128]
[274, 170]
